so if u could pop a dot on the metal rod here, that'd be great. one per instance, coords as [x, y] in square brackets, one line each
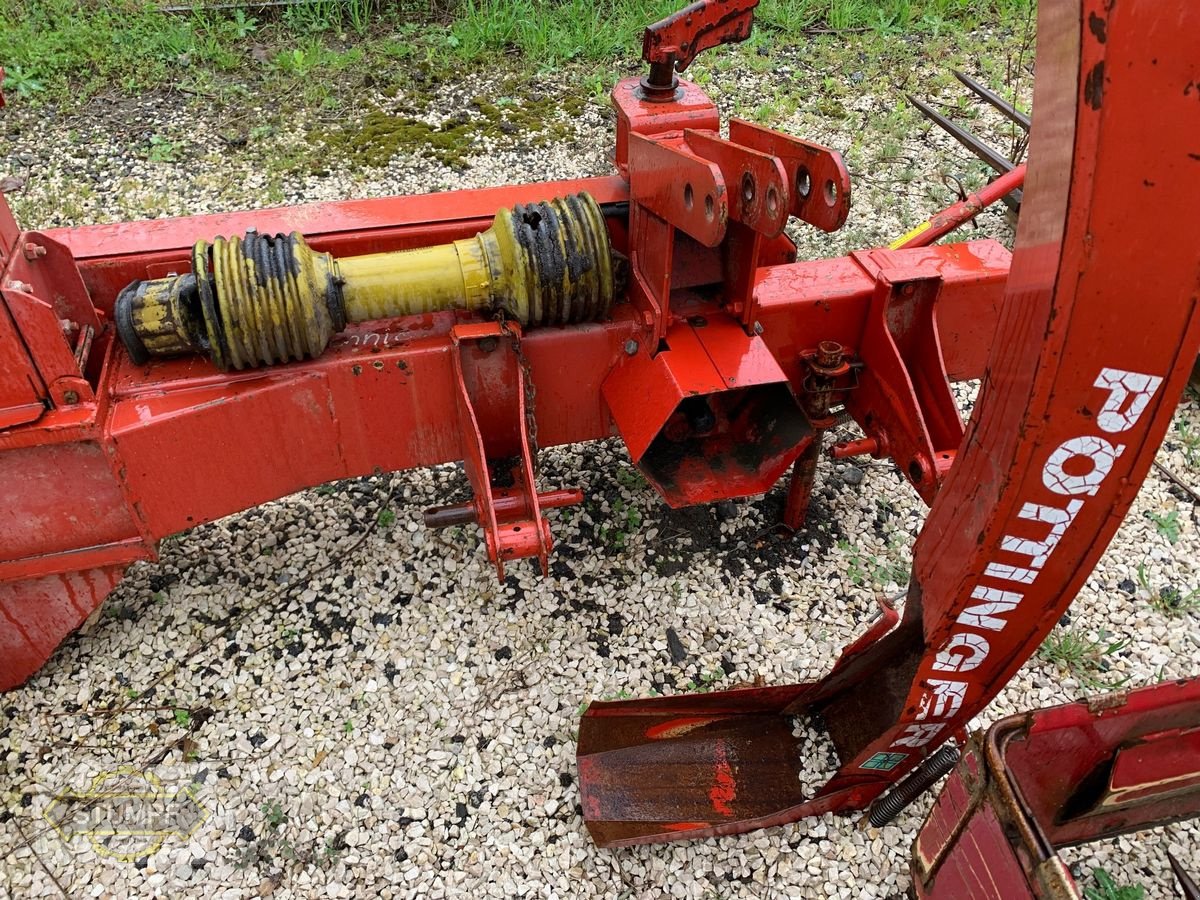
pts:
[800, 487]
[993, 158]
[962, 211]
[992, 98]
[1186, 883]
[465, 514]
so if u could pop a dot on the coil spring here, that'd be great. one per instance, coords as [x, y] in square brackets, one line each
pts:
[891, 805]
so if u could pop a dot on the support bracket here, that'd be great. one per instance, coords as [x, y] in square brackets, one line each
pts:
[904, 403]
[498, 446]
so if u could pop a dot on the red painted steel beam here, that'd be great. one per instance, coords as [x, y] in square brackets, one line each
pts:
[176, 443]
[380, 397]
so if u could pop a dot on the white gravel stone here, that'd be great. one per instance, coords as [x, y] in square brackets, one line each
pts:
[402, 725]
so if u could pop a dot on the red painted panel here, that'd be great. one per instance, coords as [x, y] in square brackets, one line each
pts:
[36, 614]
[981, 865]
[59, 497]
[193, 456]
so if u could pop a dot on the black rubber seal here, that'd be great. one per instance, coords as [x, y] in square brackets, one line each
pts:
[123, 313]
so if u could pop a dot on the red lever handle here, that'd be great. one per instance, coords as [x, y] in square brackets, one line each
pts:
[675, 41]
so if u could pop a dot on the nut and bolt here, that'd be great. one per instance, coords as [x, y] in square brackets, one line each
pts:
[70, 397]
[631, 347]
[33, 251]
[758, 329]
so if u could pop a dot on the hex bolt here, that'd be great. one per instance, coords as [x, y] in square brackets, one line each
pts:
[33, 251]
[758, 329]
[70, 397]
[631, 347]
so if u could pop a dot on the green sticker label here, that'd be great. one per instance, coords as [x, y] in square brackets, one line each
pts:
[884, 762]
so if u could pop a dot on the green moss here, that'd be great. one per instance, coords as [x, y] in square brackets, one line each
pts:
[380, 137]
[831, 108]
[535, 121]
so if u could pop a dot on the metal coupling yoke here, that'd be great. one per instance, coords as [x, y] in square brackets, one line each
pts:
[260, 300]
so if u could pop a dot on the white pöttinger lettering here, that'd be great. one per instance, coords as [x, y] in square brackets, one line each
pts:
[944, 699]
[918, 735]
[1122, 385]
[1099, 452]
[983, 615]
[1090, 459]
[974, 649]
[1058, 520]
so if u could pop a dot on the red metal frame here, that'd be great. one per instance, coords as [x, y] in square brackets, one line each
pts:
[155, 449]
[1078, 392]
[1056, 777]
[746, 356]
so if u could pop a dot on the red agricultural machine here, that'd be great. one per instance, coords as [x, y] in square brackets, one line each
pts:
[157, 375]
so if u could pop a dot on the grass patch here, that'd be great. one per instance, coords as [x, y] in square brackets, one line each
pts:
[1167, 524]
[70, 50]
[1086, 659]
[1106, 888]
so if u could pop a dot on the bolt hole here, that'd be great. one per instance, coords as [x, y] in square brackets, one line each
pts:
[803, 182]
[772, 201]
[831, 193]
[915, 471]
[748, 188]
[687, 196]
[709, 207]
[516, 528]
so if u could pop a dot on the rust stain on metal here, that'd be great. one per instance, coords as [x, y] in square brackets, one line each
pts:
[724, 789]
[1093, 88]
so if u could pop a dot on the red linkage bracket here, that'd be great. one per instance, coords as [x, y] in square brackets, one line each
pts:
[679, 186]
[903, 401]
[758, 181]
[816, 175]
[492, 387]
[677, 39]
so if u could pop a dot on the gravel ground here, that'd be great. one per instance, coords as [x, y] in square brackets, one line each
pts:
[364, 711]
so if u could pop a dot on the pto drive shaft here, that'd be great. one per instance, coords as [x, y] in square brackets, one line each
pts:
[260, 300]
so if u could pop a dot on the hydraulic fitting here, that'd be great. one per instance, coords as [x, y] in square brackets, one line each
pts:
[260, 300]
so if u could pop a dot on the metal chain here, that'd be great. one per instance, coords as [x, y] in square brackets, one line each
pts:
[530, 390]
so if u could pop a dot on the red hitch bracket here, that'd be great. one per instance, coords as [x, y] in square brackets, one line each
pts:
[496, 417]
[903, 400]
[671, 44]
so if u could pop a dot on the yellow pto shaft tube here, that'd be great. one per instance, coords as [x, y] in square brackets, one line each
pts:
[260, 300]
